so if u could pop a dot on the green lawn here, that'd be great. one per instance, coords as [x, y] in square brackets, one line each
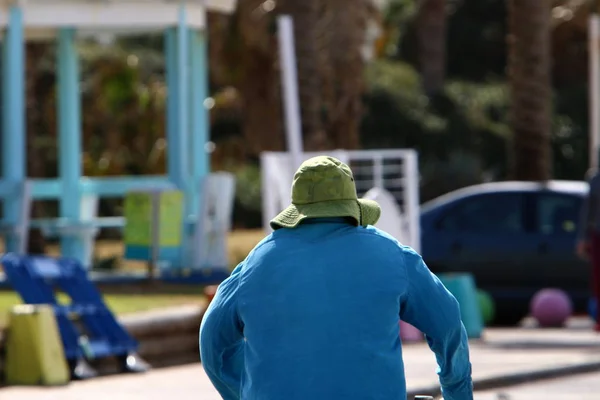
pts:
[119, 303]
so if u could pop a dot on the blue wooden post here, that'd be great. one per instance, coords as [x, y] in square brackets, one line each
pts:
[183, 56]
[178, 127]
[183, 66]
[171, 72]
[199, 114]
[176, 50]
[69, 140]
[13, 116]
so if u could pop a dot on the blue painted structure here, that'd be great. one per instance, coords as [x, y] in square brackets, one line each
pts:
[200, 117]
[187, 133]
[69, 136]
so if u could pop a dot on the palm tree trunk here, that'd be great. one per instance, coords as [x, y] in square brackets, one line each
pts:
[431, 38]
[261, 111]
[250, 51]
[346, 22]
[530, 87]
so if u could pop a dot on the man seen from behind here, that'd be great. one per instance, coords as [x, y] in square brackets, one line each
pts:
[312, 313]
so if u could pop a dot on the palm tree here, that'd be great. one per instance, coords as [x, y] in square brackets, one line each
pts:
[530, 87]
[243, 54]
[328, 39]
[431, 41]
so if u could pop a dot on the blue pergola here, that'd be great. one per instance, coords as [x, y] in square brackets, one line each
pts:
[184, 27]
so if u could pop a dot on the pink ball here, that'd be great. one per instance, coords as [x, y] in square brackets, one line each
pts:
[551, 307]
[409, 333]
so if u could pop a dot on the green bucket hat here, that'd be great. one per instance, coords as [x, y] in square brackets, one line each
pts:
[324, 187]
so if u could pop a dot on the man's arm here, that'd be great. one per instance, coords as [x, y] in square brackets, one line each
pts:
[432, 309]
[222, 340]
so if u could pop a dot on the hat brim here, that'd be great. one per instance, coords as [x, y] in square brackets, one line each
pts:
[364, 212]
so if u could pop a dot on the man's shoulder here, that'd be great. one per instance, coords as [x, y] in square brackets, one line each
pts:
[262, 244]
[377, 234]
[385, 239]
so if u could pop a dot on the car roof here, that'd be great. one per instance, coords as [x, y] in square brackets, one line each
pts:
[557, 186]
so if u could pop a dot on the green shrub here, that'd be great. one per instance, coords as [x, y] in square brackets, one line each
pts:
[248, 200]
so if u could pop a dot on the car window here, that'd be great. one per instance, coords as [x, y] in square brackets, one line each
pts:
[557, 214]
[488, 213]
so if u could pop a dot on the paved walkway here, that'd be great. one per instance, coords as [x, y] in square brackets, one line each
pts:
[509, 352]
[580, 387]
[501, 353]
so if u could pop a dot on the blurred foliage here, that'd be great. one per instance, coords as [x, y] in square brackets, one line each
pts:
[466, 121]
[123, 110]
[248, 187]
[462, 135]
[248, 204]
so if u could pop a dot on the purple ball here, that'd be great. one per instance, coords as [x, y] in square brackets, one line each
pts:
[551, 307]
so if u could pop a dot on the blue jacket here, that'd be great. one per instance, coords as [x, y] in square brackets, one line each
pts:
[313, 313]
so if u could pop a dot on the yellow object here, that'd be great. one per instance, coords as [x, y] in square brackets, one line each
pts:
[170, 214]
[34, 350]
[138, 219]
[144, 210]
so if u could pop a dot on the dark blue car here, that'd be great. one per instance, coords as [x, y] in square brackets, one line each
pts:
[514, 237]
